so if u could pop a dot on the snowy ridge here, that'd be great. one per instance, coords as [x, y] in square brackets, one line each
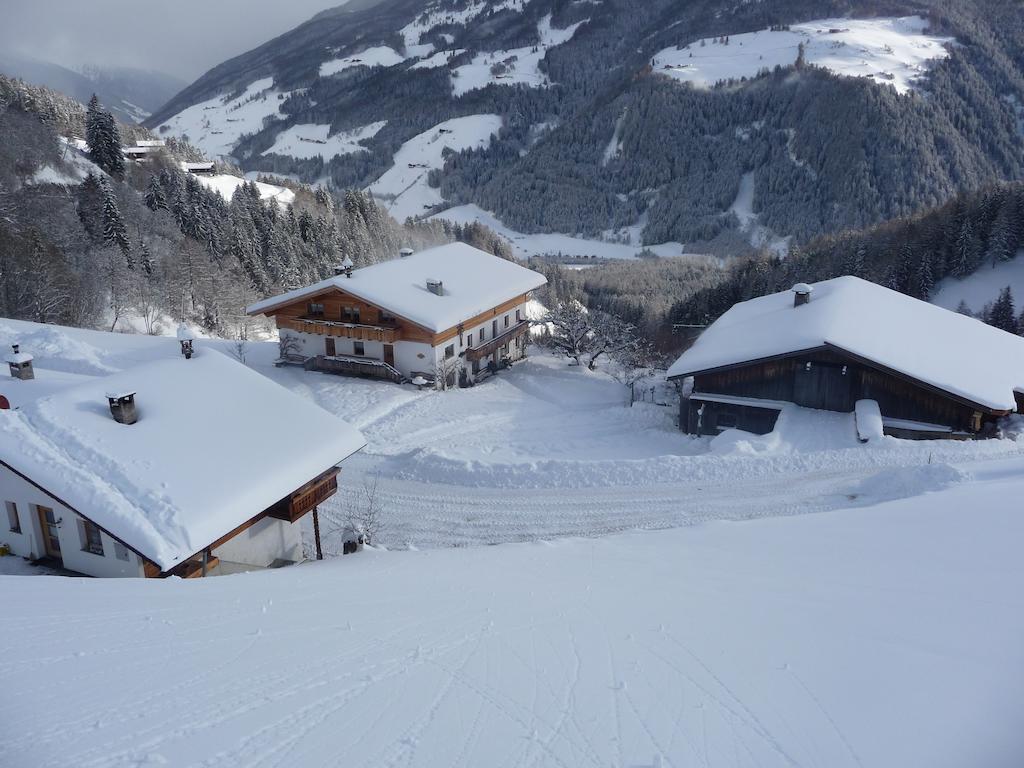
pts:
[888, 51]
[377, 56]
[225, 185]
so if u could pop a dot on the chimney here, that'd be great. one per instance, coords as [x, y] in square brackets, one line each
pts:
[801, 294]
[435, 286]
[405, 252]
[20, 364]
[122, 407]
[346, 266]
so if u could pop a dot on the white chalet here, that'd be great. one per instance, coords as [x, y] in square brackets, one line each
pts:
[172, 467]
[452, 311]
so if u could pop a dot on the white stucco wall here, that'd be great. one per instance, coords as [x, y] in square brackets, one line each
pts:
[263, 543]
[29, 543]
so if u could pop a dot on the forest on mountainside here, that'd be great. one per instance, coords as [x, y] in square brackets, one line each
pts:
[87, 240]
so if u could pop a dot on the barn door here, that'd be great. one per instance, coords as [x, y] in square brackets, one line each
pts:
[822, 386]
[389, 354]
[329, 349]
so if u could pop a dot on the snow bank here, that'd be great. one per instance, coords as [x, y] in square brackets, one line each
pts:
[311, 140]
[403, 189]
[215, 126]
[889, 51]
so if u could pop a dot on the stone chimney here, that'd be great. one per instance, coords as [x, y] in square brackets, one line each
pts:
[122, 406]
[801, 294]
[435, 286]
[405, 252]
[186, 338]
[346, 266]
[20, 364]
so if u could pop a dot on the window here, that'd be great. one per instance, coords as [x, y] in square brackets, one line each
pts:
[358, 348]
[315, 309]
[506, 321]
[469, 340]
[120, 551]
[91, 539]
[12, 517]
[449, 351]
[519, 315]
[350, 314]
[483, 334]
[387, 317]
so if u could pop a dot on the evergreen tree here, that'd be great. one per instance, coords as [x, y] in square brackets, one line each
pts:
[1003, 315]
[114, 230]
[155, 198]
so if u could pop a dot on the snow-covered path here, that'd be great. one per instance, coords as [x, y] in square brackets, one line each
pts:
[820, 640]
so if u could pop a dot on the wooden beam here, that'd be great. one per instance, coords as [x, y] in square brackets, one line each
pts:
[316, 534]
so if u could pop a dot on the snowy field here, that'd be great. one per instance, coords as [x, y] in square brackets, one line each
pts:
[215, 126]
[403, 188]
[983, 286]
[524, 246]
[881, 637]
[893, 51]
[225, 185]
[377, 56]
[883, 631]
[310, 140]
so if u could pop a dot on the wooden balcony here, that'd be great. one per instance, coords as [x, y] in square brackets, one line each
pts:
[383, 333]
[490, 347]
[352, 365]
[301, 501]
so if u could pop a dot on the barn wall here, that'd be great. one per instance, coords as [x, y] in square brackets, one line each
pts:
[828, 380]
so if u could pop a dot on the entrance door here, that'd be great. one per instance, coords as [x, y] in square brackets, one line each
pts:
[389, 354]
[329, 346]
[48, 525]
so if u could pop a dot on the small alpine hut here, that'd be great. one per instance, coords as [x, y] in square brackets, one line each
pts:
[850, 345]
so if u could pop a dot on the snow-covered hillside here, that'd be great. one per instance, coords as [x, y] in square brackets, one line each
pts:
[404, 188]
[214, 126]
[894, 51]
[225, 185]
[866, 638]
[983, 286]
[310, 140]
[376, 56]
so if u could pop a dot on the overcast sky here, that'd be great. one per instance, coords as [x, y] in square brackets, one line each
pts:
[181, 37]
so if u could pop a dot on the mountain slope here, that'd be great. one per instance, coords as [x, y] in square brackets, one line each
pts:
[619, 117]
[131, 94]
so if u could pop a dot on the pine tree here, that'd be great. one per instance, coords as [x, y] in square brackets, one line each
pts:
[155, 197]
[114, 230]
[925, 277]
[93, 128]
[147, 259]
[1003, 315]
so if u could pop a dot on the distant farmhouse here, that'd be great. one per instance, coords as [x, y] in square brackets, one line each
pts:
[848, 344]
[143, 149]
[452, 311]
[165, 469]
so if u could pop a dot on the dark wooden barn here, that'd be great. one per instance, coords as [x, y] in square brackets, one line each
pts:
[919, 384]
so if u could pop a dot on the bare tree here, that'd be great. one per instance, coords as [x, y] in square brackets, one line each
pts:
[570, 329]
[240, 347]
[445, 372]
[288, 346]
[364, 517]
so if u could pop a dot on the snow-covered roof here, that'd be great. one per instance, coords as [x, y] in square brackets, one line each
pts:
[473, 282]
[199, 462]
[18, 358]
[947, 350]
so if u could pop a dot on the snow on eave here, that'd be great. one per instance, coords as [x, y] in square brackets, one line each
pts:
[958, 356]
[474, 281]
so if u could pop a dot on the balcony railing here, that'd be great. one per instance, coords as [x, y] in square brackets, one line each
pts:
[301, 501]
[321, 327]
[483, 350]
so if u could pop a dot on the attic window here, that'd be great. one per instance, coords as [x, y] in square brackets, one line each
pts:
[120, 551]
[92, 541]
[449, 351]
[315, 309]
[350, 314]
[386, 317]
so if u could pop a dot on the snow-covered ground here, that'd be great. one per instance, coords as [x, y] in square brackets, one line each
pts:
[225, 185]
[551, 244]
[759, 235]
[884, 631]
[404, 188]
[377, 56]
[518, 65]
[870, 638]
[893, 51]
[434, 15]
[215, 126]
[983, 286]
[309, 140]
